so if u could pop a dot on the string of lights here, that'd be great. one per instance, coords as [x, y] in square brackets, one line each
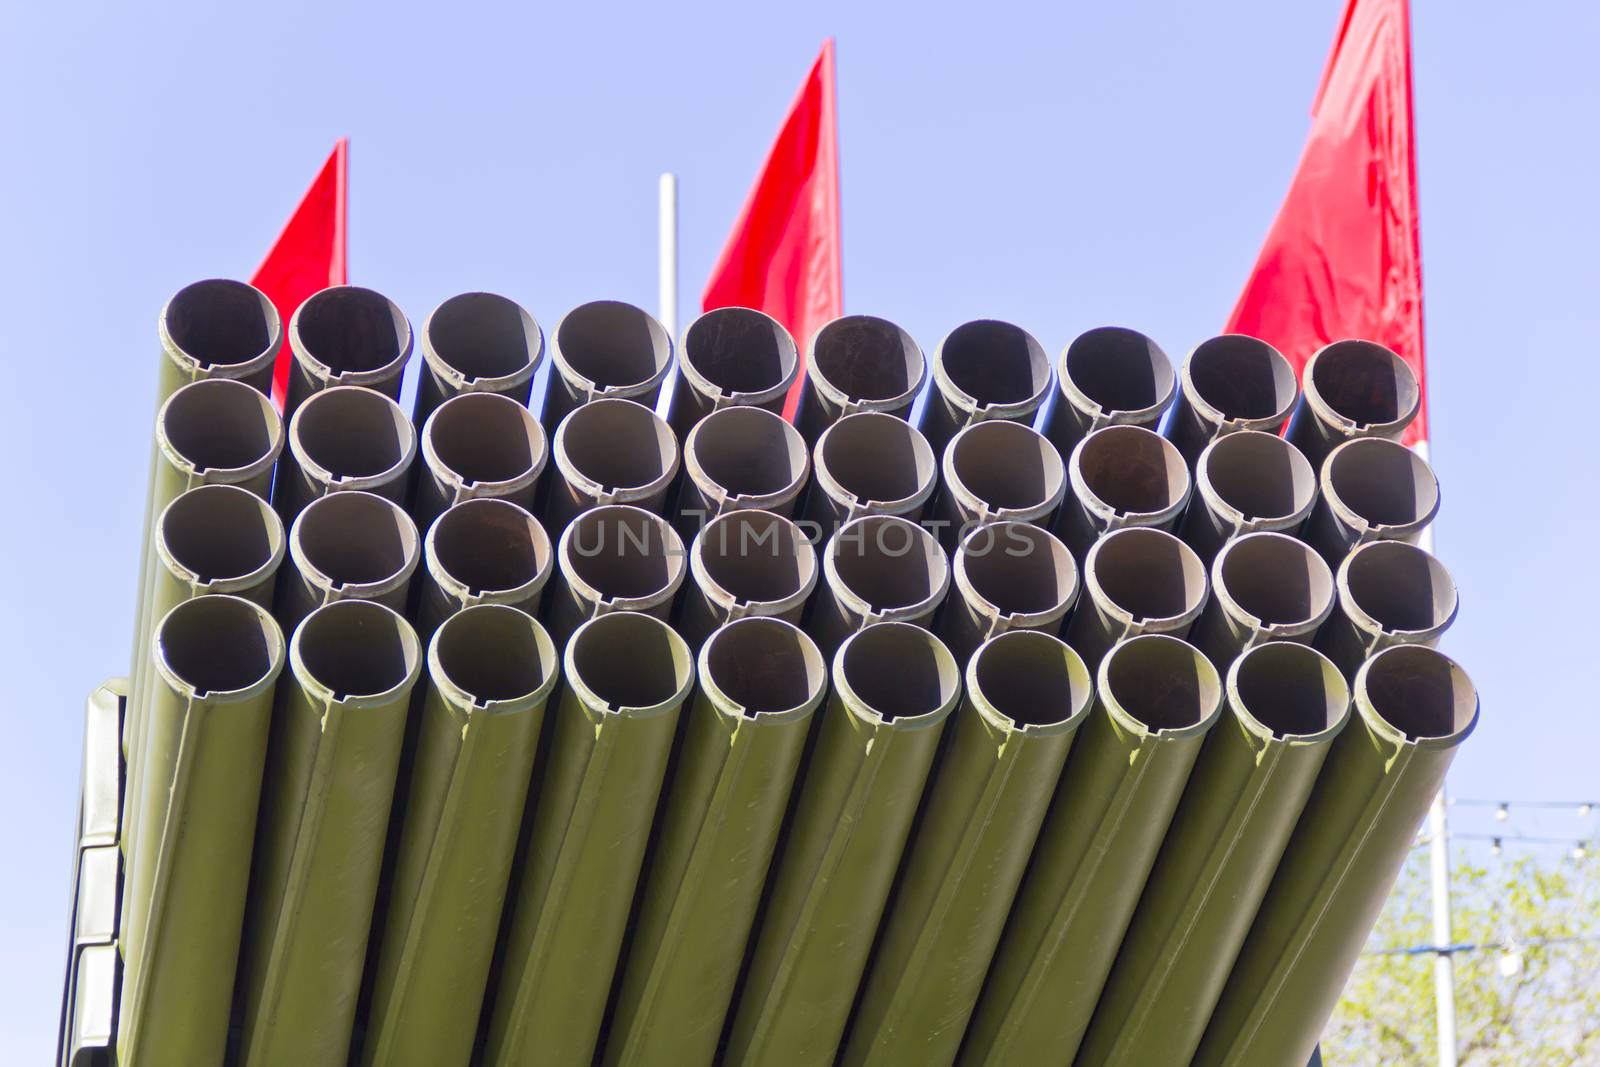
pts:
[1481, 946]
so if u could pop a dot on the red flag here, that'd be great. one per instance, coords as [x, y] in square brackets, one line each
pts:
[1342, 259]
[783, 254]
[309, 254]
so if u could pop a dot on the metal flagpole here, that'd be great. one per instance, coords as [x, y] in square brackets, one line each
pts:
[1444, 979]
[667, 267]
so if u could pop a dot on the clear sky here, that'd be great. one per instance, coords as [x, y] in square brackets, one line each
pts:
[1059, 165]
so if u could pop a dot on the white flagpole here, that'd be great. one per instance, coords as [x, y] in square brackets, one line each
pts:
[1444, 976]
[667, 271]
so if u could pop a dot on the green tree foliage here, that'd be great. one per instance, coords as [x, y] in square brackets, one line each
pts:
[1527, 976]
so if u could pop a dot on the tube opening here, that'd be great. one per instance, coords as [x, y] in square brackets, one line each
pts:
[995, 362]
[1420, 692]
[1131, 469]
[356, 539]
[490, 545]
[618, 444]
[1019, 568]
[221, 323]
[612, 344]
[356, 648]
[1031, 678]
[622, 553]
[1162, 682]
[1007, 465]
[219, 644]
[219, 532]
[352, 432]
[1400, 586]
[888, 562]
[765, 665]
[1148, 573]
[877, 457]
[1119, 369]
[1291, 689]
[1276, 579]
[221, 424]
[1259, 475]
[867, 358]
[630, 661]
[739, 350]
[899, 670]
[1364, 382]
[485, 437]
[757, 556]
[1242, 377]
[749, 451]
[493, 652]
[348, 328]
[1383, 482]
[482, 335]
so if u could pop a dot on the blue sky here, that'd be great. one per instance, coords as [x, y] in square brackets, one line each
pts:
[1060, 165]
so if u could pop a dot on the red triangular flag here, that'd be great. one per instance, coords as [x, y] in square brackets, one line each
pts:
[1342, 259]
[783, 254]
[309, 255]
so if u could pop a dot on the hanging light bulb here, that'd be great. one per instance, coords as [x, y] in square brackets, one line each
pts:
[1510, 961]
[1580, 850]
[1584, 810]
[1502, 813]
[1496, 847]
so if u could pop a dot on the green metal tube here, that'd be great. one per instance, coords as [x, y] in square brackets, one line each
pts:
[493, 669]
[1230, 384]
[1027, 694]
[746, 563]
[213, 431]
[1352, 389]
[478, 445]
[858, 363]
[346, 335]
[1121, 476]
[760, 681]
[1009, 576]
[869, 463]
[1413, 708]
[878, 568]
[610, 451]
[731, 357]
[1139, 580]
[218, 658]
[1286, 704]
[1108, 376]
[347, 546]
[345, 439]
[610, 559]
[894, 685]
[984, 370]
[483, 551]
[1372, 490]
[737, 458]
[1244, 482]
[477, 343]
[211, 330]
[998, 471]
[337, 729]
[1157, 698]
[605, 348]
[598, 782]
[1264, 587]
[1390, 593]
[212, 539]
